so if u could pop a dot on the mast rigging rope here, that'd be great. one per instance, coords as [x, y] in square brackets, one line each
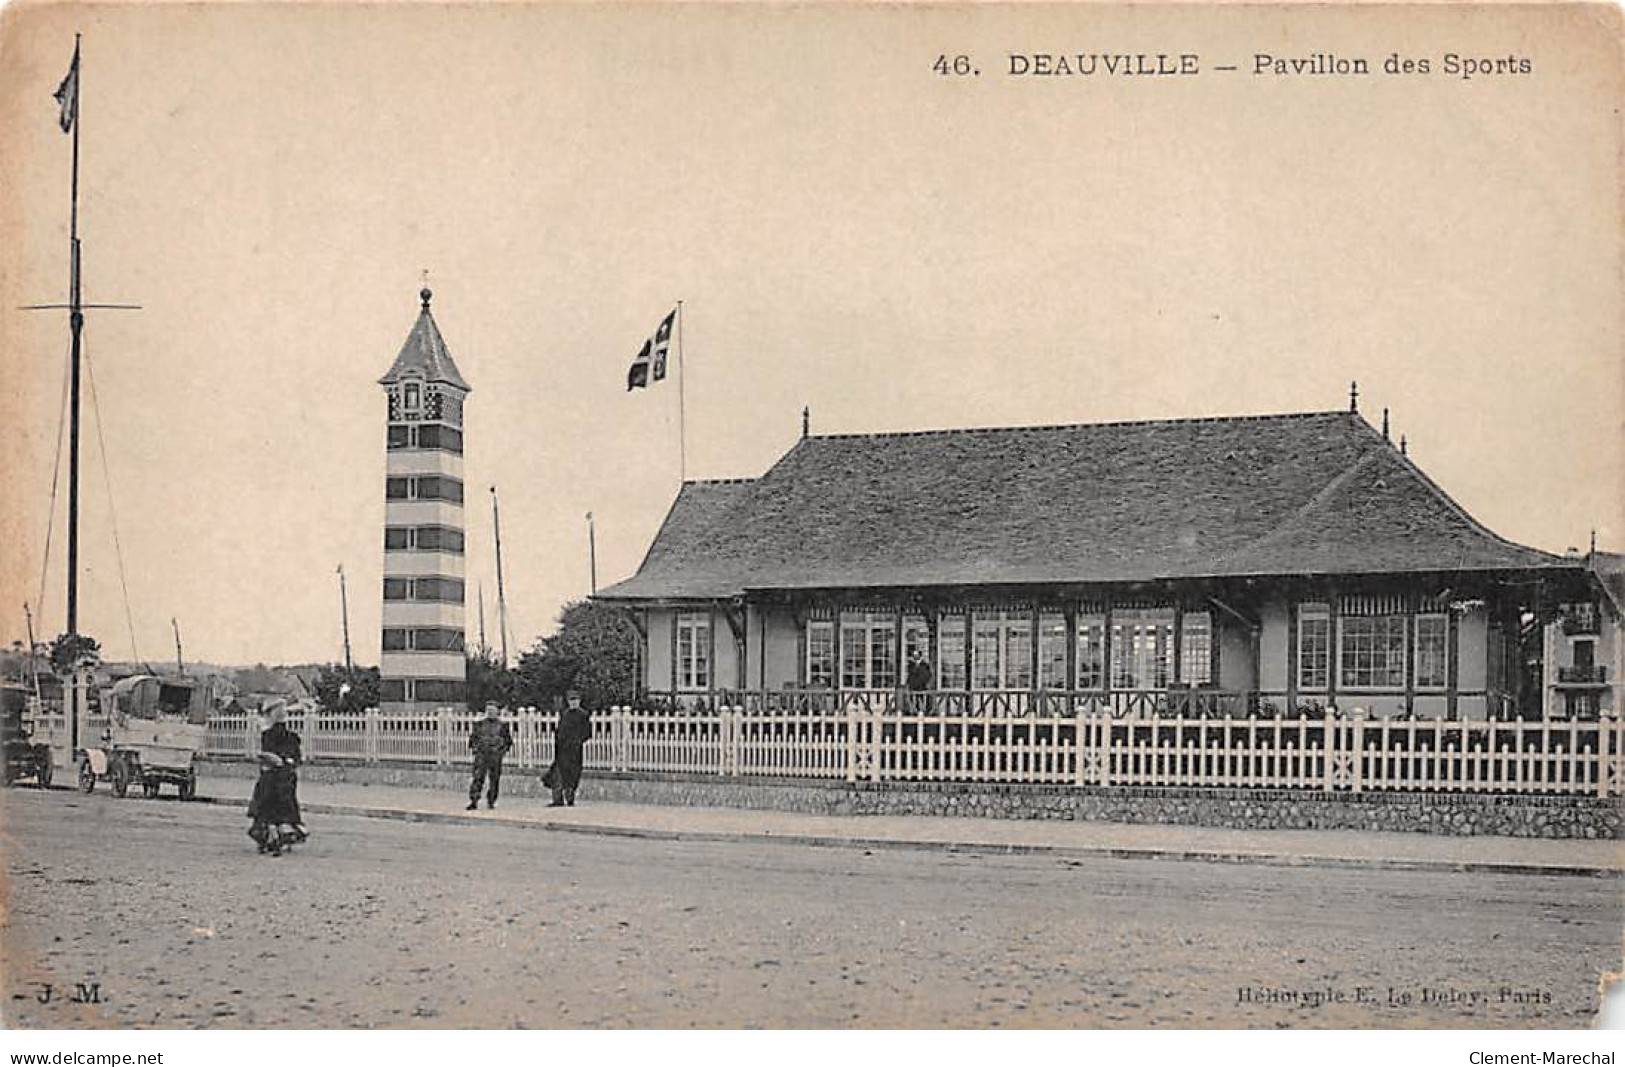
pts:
[107, 480]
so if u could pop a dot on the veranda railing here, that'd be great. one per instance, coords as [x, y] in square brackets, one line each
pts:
[1123, 739]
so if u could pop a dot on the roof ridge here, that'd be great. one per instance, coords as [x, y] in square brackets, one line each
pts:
[1409, 465]
[1284, 528]
[719, 481]
[1048, 427]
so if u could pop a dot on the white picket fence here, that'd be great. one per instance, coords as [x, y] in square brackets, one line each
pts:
[1351, 754]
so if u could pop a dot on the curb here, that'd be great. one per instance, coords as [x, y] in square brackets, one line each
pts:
[1270, 859]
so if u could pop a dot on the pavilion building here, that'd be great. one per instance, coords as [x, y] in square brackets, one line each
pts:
[1274, 564]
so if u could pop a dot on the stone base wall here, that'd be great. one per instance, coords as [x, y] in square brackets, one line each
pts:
[1247, 809]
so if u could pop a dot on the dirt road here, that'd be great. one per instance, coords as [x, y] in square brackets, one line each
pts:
[168, 912]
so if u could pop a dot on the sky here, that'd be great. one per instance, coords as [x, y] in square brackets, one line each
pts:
[849, 230]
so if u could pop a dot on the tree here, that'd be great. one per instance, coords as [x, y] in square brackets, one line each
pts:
[364, 687]
[69, 649]
[489, 682]
[594, 650]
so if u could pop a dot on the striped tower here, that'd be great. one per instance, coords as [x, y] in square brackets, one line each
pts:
[421, 662]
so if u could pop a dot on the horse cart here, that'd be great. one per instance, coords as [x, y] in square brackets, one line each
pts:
[155, 727]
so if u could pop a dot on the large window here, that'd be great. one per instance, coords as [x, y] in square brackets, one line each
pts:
[1142, 649]
[424, 539]
[1091, 652]
[821, 654]
[1002, 650]
[1432, 651]
[1052, 651]
[428, 435]
[1314, 647]
[1371, 652]
[868, 651]
[422, 639]
[951, 652]
[693, 651]
[1196, 648]
[424, 487]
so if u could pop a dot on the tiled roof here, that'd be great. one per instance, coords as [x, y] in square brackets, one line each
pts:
[425, 352]
[1317, 493]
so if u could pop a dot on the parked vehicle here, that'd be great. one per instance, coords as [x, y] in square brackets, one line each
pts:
[156, 728]
[23, 757]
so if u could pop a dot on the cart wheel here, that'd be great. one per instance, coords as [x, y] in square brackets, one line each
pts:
[45, 772]
[121, 778]
[87, 776]
[189, 787]
[149, 788]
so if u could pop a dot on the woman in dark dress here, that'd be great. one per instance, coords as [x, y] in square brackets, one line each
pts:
[275, 803]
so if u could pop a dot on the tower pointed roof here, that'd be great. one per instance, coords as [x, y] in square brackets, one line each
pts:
[425, 352]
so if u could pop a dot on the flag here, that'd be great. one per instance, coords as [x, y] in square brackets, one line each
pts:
[662, 344]
[67, 94]
[638, 375]
[650, 363]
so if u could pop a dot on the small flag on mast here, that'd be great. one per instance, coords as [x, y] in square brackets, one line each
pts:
[67, 94]
[650, 362]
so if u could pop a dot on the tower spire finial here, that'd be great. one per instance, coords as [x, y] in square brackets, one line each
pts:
[1354, 396]
[425, 294]
[806, 420]
[1385, 424]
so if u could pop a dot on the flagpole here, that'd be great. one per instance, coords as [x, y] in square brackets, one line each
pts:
[76, 324]
[682, 425]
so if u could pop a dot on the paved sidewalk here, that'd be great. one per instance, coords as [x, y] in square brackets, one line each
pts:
[1335, 848]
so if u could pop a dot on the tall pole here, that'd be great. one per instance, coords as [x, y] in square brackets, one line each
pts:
[592, 553]
[485, 649]
[76, 325]
[502, 600]
[180, 663]
[33, 661]
[344, 611]
[682, 424]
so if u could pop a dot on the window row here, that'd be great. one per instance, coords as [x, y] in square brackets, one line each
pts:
[442, 590]
[424, 487]
[433, 690]
[422, 639]
[1001, 654]
[1370, 650]
[428, 435]
[423, 539]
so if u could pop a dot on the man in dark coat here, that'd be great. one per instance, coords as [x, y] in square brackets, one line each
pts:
[918, 681]
[490, 740]
[275, 801]
[575, 727]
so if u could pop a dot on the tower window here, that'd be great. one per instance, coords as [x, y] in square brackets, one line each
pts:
[412, 396]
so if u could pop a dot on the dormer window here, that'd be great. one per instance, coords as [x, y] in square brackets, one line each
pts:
[412, 398]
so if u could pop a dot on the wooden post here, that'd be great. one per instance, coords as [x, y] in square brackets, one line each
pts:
[1069, 616]
[1293, 622]
[969, 655]
[1410, 660]
[1034, 682]
[676, 620]
[711, 658]
[1334, 643]
[1177, 674]
[1452, 645]
[1107, 653]
[369, 742]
